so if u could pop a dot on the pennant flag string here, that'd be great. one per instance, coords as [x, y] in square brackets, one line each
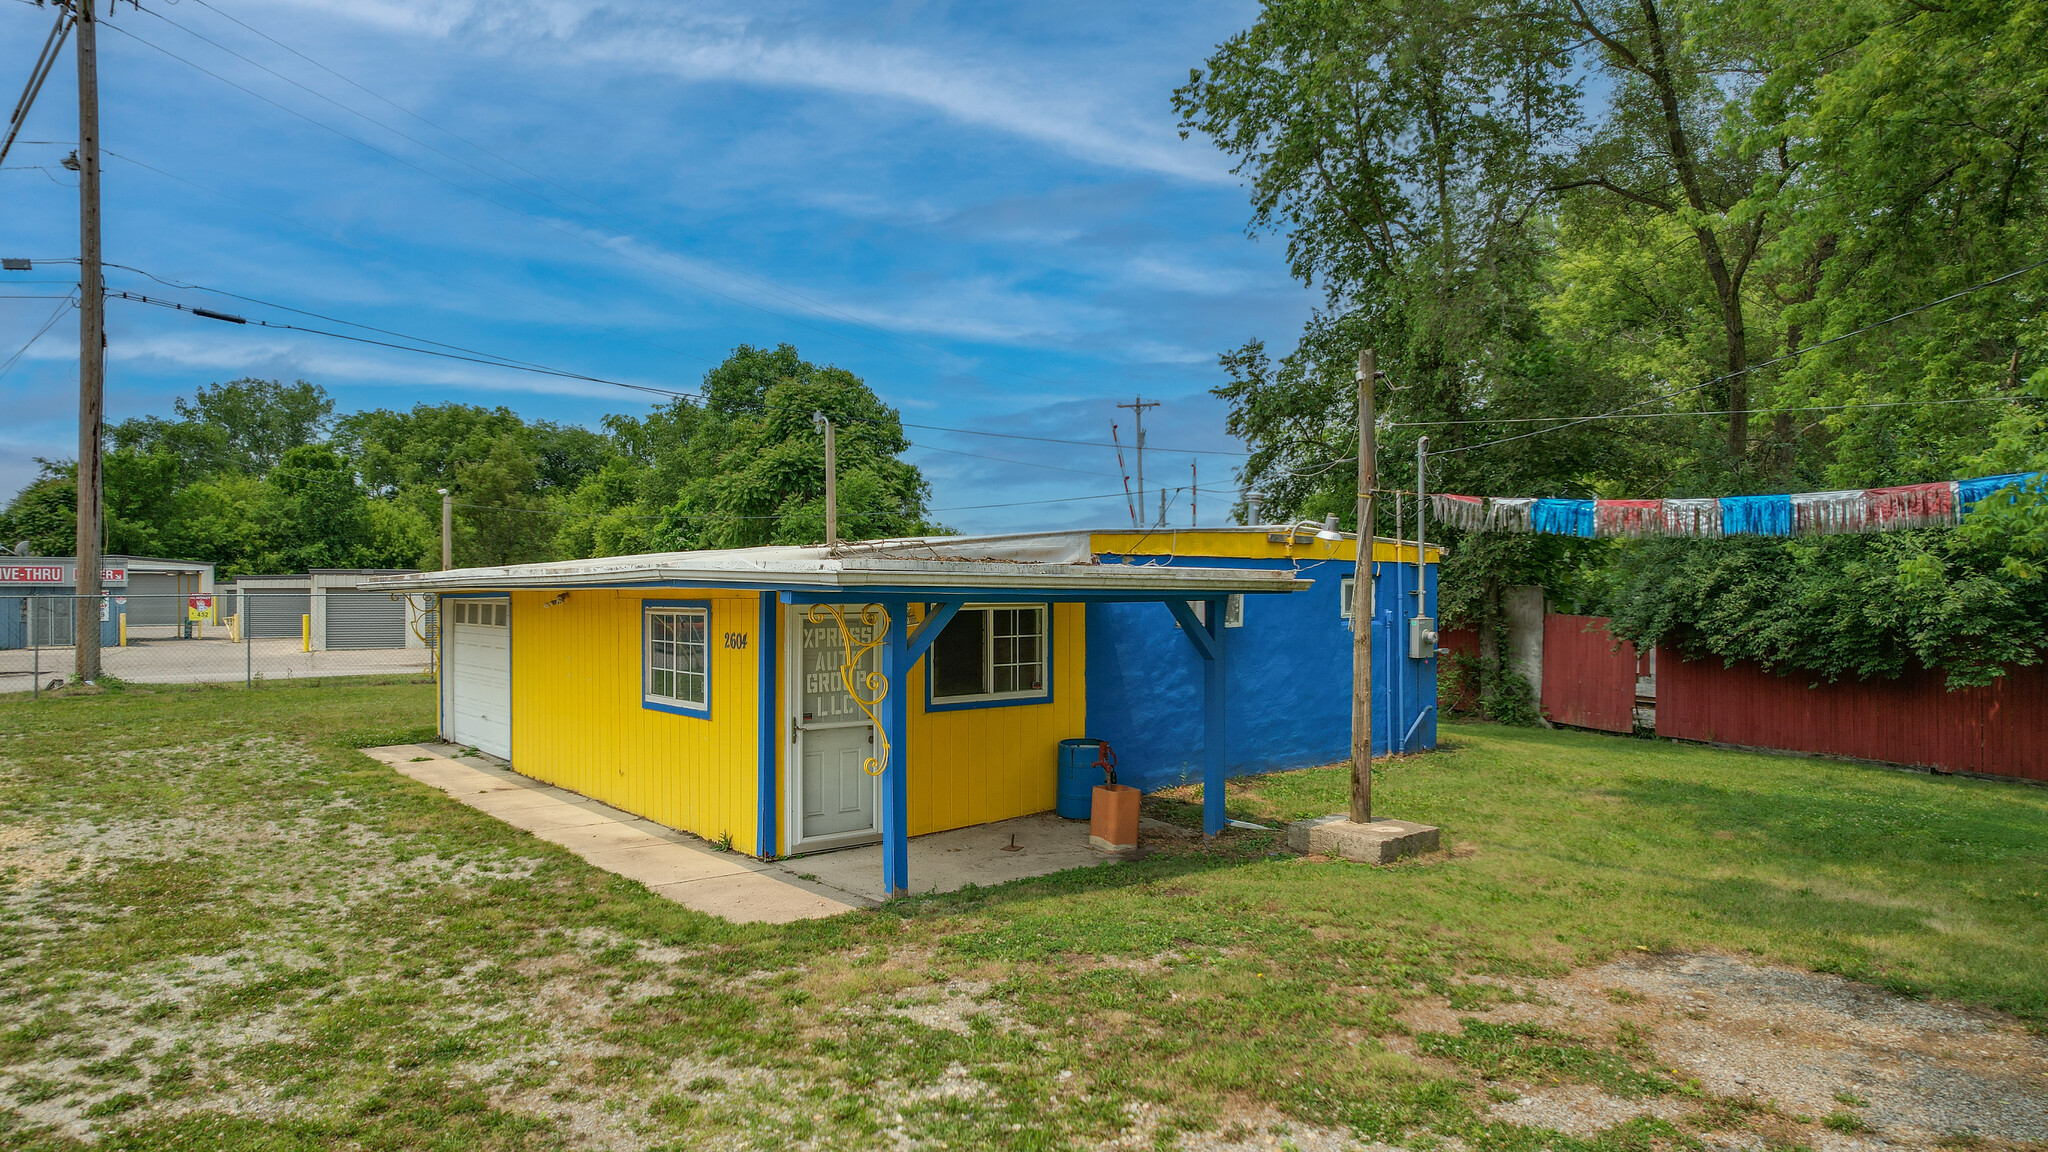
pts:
[1797, 514]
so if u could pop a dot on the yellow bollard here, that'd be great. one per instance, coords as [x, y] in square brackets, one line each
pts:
[306, 632]
[124, 629]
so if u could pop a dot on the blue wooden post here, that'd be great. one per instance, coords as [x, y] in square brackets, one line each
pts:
[1208, 639]
[895, 814]
[769, 735]
[1213, 713]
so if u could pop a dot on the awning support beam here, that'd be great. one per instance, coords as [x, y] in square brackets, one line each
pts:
[1208, 640]
[895, 813]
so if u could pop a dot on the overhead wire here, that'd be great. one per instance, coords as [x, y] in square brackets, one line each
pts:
[39, 333]
[1727, 411]
[518, 366]
[621, 333]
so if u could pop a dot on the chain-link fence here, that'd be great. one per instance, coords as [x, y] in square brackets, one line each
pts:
[252, 637]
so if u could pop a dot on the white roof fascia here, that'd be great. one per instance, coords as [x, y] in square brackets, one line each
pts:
[816, 569]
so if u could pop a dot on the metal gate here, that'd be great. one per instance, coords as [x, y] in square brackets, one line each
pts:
[358, 619]
[273, 614]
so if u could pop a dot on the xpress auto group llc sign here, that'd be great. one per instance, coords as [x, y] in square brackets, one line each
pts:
[54, 574]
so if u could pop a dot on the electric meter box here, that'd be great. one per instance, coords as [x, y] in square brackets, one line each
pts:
[1421, 637]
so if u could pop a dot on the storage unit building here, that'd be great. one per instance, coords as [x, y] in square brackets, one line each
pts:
[709, 691]
[38, 597]
[273, 607]
[347, 616]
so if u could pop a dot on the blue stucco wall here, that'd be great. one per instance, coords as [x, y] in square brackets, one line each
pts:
[1289, 680]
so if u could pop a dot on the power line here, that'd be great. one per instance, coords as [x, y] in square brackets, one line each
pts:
[384, 255]
[1718, 412]
[497, 360]
[1083, 443]
[480, 359]
[47, 325]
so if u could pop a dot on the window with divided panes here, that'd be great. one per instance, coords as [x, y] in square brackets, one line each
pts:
[678, 657]
[990, 652]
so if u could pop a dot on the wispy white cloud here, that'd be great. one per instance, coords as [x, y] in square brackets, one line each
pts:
[1078, 110]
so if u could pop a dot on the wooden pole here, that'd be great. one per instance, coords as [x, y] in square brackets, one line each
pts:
[447, 530]
[1361, 603]
[831, 487]
[92, 349]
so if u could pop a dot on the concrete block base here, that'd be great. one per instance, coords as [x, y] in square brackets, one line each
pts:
[1380, 842]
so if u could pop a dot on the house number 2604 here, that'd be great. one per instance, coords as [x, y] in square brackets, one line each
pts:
[735, 639]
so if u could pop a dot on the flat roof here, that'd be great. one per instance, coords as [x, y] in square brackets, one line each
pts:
[1051, 562]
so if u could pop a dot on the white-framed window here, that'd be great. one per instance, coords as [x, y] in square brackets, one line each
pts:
[1345, 586]
[485, 613]
[1233, 611]
[677, 659]
[990, 652]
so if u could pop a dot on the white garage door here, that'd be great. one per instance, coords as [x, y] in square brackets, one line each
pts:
[479, 674]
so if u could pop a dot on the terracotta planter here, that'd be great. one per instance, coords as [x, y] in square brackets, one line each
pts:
[1113, 820]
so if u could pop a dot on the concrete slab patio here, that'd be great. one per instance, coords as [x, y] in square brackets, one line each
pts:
[740, 888]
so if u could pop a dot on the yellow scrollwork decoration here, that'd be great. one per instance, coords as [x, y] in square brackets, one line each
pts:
[876, 618]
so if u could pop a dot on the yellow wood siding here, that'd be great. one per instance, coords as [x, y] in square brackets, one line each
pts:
[978, 765]
[578, 723]
[975, 765]
[1192, 543]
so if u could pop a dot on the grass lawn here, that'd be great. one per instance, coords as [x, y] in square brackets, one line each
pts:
[222, 927]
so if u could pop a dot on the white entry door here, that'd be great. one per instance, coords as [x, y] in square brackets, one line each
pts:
[479, 674]
[838, 794]
[832, 795]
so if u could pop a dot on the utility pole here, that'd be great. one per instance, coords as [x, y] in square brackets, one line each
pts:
[447, 529]
[831, 480]
[1361, 601]
[1137, 406]
[1194, 497]
[92, 347]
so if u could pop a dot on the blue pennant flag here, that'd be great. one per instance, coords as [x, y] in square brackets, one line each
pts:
[1562, 517]
[1756, 515]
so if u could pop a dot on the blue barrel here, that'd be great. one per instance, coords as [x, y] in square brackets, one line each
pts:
[1078, 778]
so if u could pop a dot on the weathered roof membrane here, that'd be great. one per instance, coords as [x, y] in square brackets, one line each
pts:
[1042, 561]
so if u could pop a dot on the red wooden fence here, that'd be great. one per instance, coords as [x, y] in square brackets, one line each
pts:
[1589, 679]
[1999, 730]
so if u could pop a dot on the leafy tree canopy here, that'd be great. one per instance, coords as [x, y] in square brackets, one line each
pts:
[1711, 215]
[259, 476]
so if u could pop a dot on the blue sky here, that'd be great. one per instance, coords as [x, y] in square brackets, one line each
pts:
[984, 211]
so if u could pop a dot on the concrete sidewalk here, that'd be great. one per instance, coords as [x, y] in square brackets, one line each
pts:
[674, 864]
[740, 888]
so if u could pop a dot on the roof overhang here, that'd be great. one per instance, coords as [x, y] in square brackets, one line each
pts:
[807, 573]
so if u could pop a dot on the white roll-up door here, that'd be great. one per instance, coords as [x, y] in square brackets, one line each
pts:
[358, 619]
[479, 674]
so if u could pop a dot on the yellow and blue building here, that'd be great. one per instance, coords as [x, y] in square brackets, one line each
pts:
[798, 699]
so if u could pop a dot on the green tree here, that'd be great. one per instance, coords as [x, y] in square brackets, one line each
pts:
[755, 472]
[258, 420]
[45, 511]
[310, 513]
